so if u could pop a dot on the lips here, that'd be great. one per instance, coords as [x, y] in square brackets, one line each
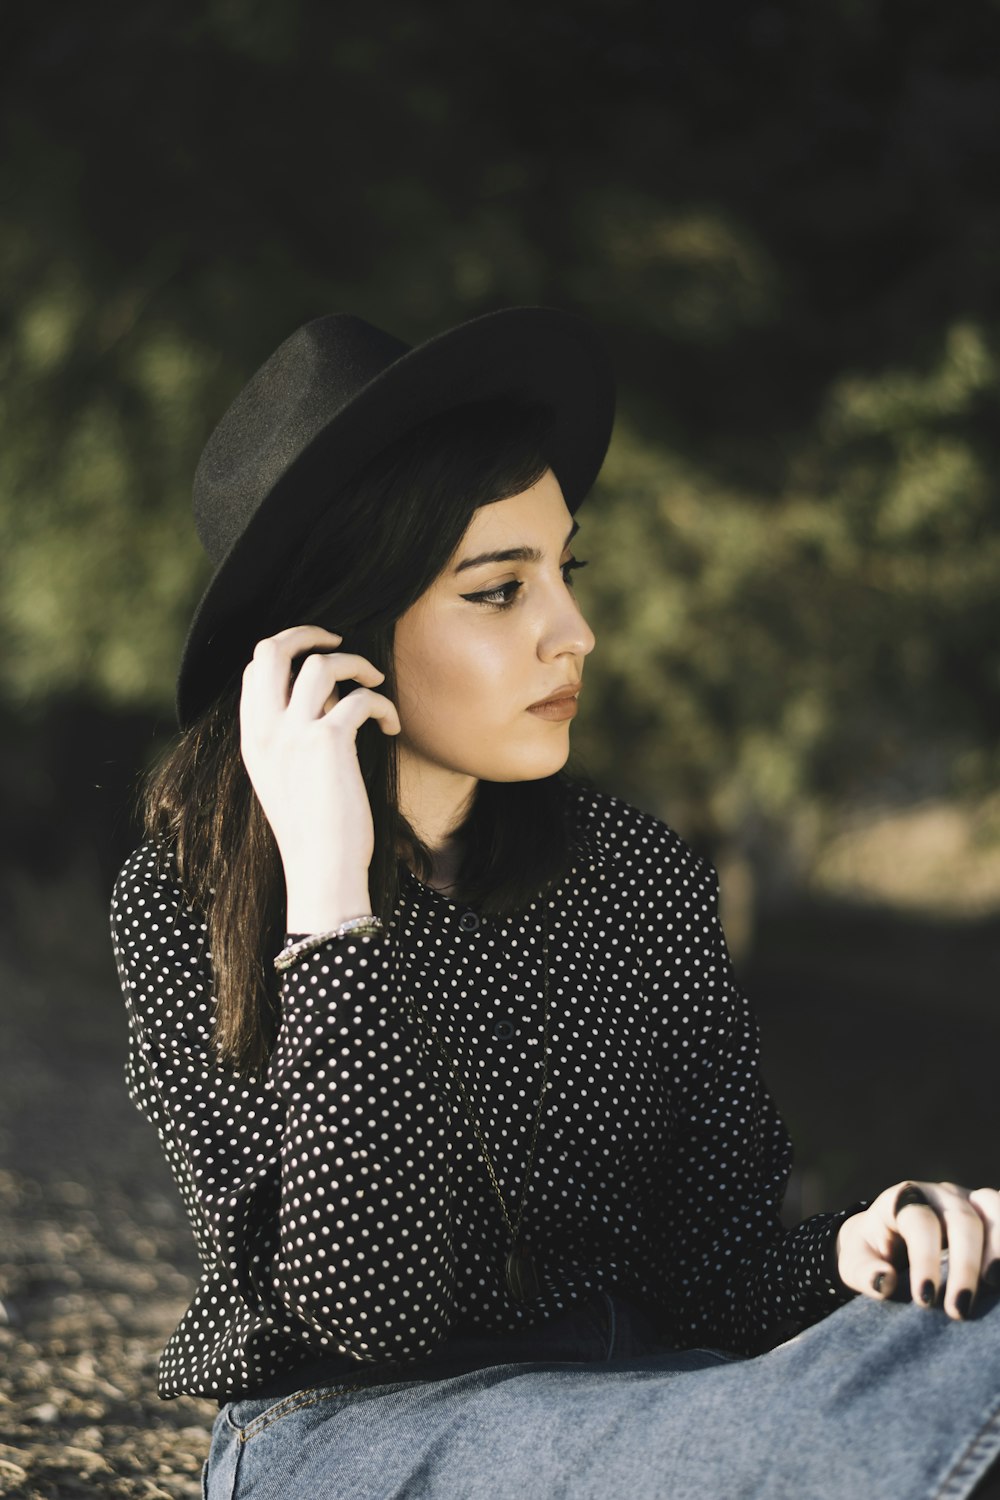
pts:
[569, 691]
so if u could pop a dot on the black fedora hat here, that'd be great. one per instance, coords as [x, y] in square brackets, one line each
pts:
[329, 398]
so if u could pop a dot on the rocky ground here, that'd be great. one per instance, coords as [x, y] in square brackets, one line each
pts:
[90, 1299]
[96, 1261]
[880, 1045]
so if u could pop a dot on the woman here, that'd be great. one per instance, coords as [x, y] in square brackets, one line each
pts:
[443, 1045]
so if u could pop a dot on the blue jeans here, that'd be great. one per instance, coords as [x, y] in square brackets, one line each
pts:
[882, 1401]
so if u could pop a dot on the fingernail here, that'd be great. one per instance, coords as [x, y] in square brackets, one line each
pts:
[963, 1303]
[928, 1293]
[992, 1273]
[879, 1282]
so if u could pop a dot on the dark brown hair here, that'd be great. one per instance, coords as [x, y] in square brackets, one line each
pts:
[387, 534]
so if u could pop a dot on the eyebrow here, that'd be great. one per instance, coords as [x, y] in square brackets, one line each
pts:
[513, 554]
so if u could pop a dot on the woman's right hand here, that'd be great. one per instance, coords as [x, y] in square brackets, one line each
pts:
[298, 745]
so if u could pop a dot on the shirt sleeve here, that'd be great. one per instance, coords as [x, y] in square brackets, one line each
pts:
[739, 1279]
[319, 1187]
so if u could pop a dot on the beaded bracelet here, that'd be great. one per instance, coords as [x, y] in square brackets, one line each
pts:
[287, 956]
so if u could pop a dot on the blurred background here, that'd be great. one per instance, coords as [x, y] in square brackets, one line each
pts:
[784, 219]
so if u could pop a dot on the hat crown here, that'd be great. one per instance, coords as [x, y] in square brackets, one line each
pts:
[316, 371]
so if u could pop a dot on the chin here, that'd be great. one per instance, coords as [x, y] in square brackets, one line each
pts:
[531, 767]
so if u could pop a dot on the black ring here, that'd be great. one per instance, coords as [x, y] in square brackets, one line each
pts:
[910, 1195]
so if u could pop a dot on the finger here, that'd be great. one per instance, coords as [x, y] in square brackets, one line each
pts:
[293, 633]
[864, 1259]
[965, 1232]
[316, 682]
[918, 1226]
[876, 1275]
[986, 1202]
[266, 675]
[349, 713]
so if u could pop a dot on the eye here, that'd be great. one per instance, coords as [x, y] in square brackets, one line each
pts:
[503, 597]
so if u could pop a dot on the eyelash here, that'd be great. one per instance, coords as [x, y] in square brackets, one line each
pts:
[489, 596]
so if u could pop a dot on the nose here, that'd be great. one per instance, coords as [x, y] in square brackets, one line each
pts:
[566, 631]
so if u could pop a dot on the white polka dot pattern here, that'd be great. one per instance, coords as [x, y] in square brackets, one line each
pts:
[338, 1200]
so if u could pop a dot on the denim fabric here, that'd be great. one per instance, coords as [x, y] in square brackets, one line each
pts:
[889, 1401]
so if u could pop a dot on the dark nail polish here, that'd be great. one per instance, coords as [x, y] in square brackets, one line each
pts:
[992, 1273]
[928, 1292]
[964, 1303]
[879, 1282]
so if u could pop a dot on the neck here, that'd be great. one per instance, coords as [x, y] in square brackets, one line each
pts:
[435, 801]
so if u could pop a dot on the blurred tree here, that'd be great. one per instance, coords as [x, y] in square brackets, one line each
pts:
[785, 219]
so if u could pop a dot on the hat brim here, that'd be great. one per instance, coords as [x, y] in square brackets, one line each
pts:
[542, 353]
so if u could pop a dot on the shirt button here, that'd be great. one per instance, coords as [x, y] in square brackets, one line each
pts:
[504, 1030]
[468, 921]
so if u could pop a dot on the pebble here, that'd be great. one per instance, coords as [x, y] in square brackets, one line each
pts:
[12, 1471]
[84, 1460]
[47, 1412]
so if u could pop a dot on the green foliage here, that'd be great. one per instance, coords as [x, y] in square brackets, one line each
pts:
[786, 224]
[783, 646]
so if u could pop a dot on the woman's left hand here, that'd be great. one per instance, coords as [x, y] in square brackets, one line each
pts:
[920, 1219]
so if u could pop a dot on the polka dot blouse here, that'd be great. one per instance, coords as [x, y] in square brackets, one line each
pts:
[339, 1200]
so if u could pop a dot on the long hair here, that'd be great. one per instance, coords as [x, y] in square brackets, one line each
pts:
[387, 534]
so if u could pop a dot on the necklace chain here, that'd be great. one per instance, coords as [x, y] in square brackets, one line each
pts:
[513, 1229]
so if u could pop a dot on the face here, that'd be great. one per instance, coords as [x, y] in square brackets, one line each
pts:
[486, 641]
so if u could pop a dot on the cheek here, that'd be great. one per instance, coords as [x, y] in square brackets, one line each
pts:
[460, 690]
